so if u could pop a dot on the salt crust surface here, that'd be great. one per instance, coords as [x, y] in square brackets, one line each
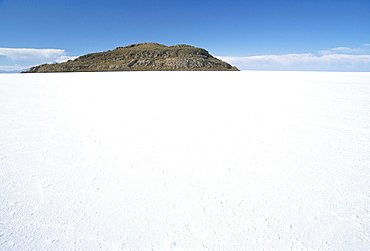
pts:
[185, 161]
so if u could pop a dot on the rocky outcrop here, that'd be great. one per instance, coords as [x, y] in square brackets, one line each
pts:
[141, 57]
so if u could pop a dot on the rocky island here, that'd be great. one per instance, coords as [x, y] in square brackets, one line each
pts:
[141, 57]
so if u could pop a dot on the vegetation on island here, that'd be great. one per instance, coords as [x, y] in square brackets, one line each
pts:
[141, 57]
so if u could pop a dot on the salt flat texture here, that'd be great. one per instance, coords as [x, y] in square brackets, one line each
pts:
[185, 161]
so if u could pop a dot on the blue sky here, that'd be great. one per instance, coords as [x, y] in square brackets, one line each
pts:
[264, 34]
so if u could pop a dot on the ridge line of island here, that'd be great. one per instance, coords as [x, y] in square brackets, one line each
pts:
[141, 57]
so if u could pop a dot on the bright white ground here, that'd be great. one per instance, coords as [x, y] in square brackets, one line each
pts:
[185, 161]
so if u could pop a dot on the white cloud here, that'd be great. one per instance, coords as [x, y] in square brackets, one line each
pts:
[16, 54]
[13, 68]
[343, 50]
[62, 59]
[35, 55]
[31, 57]
[336, 59]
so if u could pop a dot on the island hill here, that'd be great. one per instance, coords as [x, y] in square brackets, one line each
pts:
[141, 57]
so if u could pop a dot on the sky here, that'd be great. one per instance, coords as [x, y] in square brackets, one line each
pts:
[320, 35]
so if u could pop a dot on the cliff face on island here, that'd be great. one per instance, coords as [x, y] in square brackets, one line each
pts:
[141, 57]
